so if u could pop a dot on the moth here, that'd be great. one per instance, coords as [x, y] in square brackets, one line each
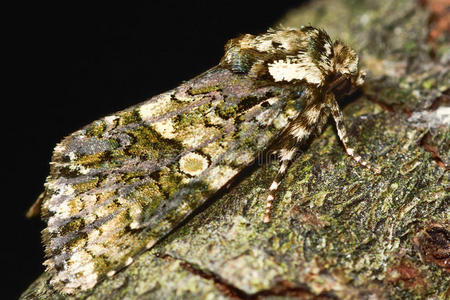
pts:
[121, 183]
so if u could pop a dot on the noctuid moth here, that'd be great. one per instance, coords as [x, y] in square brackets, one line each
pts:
[121, 183]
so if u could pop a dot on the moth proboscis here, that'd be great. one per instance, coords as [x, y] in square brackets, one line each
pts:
[121, 183]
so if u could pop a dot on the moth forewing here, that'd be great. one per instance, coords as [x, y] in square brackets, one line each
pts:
[120, 184]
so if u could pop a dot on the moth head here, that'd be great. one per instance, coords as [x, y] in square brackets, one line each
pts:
[346, 63]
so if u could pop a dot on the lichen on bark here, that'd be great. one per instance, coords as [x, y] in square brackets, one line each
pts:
[337, 230]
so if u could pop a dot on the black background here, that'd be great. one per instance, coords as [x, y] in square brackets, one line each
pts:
[72, 64]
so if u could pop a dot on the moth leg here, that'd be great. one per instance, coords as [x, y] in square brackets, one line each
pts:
[299, 131]
[342, 133]
[286, 160]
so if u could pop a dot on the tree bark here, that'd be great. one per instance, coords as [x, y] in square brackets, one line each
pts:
[337, 229]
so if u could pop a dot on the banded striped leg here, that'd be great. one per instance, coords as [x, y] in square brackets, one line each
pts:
[286, 159]
[342, 133]
[295, 134]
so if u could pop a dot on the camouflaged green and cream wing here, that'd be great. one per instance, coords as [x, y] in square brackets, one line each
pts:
[121, 183]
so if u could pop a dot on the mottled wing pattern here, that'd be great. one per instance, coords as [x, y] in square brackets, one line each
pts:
[121, 183]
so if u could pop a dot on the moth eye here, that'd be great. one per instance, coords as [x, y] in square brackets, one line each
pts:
[276, 45]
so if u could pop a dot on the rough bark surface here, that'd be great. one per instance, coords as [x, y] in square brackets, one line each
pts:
[338, 231]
